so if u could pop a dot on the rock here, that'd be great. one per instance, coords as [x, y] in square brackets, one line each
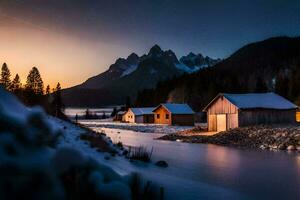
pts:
[262, 147]
[162, 164]
[282, 147]
[291, 148]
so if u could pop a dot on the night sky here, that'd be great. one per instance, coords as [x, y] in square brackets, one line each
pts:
[70, 40]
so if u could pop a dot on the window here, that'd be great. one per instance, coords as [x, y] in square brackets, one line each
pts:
[167, 116]
[157, 116]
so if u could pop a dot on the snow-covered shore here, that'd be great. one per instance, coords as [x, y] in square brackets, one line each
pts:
[144, 128]
[42, 157]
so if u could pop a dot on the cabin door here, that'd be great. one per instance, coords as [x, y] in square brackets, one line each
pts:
[221, 122]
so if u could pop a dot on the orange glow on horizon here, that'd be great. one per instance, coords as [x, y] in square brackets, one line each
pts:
[60, 57]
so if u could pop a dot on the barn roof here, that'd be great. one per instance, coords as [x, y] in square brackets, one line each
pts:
[142, 111]
[175, 108]
[257, 100]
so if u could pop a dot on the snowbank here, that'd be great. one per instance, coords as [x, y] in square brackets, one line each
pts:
[36, 164]
[145, 128]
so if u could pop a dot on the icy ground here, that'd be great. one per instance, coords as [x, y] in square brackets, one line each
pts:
[34, 167]
[144, 128]
[174, 185]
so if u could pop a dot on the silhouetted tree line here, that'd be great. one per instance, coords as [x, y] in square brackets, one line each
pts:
[33, 93]
[269, 66]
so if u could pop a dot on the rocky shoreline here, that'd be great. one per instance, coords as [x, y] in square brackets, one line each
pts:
[285, 137]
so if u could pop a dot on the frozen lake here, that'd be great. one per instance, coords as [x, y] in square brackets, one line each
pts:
[199, 171]
[71, 112]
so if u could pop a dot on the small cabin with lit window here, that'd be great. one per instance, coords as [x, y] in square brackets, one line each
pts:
[174, 114]
[228, 111]
[139, 115]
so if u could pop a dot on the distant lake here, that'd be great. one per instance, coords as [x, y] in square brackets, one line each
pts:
[71, 112]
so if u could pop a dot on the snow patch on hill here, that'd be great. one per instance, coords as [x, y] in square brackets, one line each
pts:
[129, 70]
[187, 69]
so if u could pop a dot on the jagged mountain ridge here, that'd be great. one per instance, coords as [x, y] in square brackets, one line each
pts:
[123, 67]
[127, 76]
[271, 65]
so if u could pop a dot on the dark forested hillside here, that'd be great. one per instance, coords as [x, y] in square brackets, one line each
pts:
[269, 65]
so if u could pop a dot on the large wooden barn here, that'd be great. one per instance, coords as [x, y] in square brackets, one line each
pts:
[227, 111]
[139, 115]
[174, 114]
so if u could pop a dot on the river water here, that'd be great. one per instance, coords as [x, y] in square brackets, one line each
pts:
[201, 171]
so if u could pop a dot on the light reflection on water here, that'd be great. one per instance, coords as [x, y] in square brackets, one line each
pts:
[255, 174]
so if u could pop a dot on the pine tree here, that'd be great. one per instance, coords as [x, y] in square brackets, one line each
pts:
[34, 82]
[16, 84]
[57, 100]
[48, 90]
[5, 76]
[281, 85]
[114, 112]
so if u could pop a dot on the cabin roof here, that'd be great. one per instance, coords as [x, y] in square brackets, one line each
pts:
[142, 111]
[121, 112]
[256, 100]
[176, 108]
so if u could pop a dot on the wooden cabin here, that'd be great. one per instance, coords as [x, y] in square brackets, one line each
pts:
[174, 114]
[119, 116]
[139, 115]
[227, 111]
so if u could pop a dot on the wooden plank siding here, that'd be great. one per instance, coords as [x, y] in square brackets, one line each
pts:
[222, 106]
[161, 113]
[298, 116]
[183, 119]
[212, 122]
[149, 118]
[129, 116]
[160, 116]
[266, 116]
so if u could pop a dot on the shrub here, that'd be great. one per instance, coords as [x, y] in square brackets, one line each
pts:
[139, 153]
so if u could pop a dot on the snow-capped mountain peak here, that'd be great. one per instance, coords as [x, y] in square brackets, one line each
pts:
[161, 61]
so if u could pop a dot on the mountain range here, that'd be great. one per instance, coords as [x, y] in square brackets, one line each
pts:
[129, 75]
[271, 65]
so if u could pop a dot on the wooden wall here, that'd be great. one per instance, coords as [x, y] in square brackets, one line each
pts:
[238, 118]
[139, 119]
[161, 111]
[232, 121]
[129, 116]
[266, 116]
[212, 122]
[222, 106]
[298, 116]
[183, 120]
[148, 118]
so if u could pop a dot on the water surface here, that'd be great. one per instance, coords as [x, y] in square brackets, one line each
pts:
[194, 169]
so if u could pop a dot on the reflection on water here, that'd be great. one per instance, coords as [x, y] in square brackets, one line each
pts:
[222, 157]
[253, 174]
